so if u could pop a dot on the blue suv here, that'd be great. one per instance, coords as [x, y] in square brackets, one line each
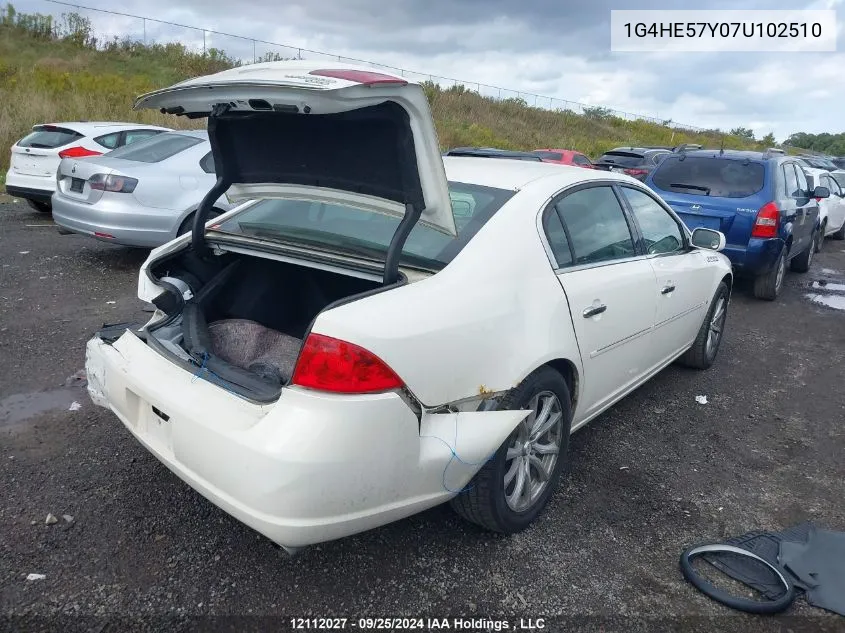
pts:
[759, 200]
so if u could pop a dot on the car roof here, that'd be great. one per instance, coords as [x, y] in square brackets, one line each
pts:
[733, 154]
[513, 175]
[494, 152]
[92, 128]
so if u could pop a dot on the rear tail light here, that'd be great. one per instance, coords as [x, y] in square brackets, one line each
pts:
[117, 184]
[637, 173]
[766, 223]
[78, 152]
[329, 364]
[365, 77]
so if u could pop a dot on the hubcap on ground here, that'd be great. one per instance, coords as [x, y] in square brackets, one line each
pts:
[717, 324]
[533, 452]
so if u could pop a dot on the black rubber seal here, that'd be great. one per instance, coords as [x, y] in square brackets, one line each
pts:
[741, 604]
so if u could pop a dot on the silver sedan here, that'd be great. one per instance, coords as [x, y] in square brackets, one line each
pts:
[141, 195]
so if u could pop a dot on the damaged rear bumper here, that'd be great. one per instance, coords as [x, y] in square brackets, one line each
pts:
[309, 468]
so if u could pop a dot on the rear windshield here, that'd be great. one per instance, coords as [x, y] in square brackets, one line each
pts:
[623, 159]
[49, 137]
[710, 176]
[549, 155]
[157, 148]
[346, 228]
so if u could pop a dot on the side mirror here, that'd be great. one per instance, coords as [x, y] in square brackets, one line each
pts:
[708, 238]
[821, 192]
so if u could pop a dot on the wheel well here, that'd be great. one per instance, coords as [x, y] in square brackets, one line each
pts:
[189, 219]
[729, 282]
[788, 245]
[566, 368]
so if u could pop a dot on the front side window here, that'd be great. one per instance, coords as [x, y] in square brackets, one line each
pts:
[109, 141]
[803, 187]
[133, 136]
[790, 180]
[556, 236]
[596, 225]
[347, 228]
[660, 230]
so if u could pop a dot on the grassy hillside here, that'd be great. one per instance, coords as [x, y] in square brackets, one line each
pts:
[54, 71]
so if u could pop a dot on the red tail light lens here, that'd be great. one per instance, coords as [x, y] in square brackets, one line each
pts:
[78, 152]
[766, 224]
[329, 364]
[117, 184]
[360, 76]
[637, 173]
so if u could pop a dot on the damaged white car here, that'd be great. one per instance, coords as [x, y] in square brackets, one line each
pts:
[377, 329]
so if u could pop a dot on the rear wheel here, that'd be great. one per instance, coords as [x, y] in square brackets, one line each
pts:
[820, 239]
[703, 352]
[768, 286]
[801, 263]
[41, 207]
[511, 490]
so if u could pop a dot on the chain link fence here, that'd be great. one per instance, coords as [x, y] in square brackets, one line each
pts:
[110, 25]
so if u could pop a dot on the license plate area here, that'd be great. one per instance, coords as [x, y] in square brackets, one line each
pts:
[77, 185]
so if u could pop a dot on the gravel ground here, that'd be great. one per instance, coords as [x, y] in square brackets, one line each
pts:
[653, 475]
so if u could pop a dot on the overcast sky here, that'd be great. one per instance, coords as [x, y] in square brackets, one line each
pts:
[555, 48]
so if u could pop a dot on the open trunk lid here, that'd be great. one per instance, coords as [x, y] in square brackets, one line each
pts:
[278, 128]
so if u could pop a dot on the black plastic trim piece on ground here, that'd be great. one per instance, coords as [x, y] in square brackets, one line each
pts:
[39, 195]
[741, 604]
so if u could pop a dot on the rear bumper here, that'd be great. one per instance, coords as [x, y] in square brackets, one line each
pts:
[127, 224]
[26, 193]
[756, 258]
[309, 468]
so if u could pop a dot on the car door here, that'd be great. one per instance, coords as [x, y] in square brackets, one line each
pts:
[610, 287]
[682, 274]
[835, 204]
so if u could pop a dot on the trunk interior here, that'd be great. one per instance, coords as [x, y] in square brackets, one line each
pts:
[244, 321]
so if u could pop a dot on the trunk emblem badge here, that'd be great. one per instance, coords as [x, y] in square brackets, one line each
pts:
[695, 207]
[73, 169]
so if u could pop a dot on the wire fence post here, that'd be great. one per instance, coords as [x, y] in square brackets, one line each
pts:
[203, 43]
[145, 29]
[254, 58]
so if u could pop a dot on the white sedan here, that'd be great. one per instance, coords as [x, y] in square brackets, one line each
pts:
[832, 208]
[379, 330]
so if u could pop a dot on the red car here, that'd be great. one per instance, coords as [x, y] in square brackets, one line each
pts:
[564, 157]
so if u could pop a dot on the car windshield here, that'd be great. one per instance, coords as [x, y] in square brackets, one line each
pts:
[347, 228]
[156, 148]
[623, 159]
[710, 176]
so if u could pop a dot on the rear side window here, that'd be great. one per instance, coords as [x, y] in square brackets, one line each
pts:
[596, 225]
[550, 155]
[156, 149]
[790, 180]
[207, 163]
[49, 137]
[580, 159]
[710, 176]
[623, 159]
[109, 141]
[556, 236]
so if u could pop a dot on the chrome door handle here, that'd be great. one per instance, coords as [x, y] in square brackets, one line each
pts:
[594, 310]
[667, 289]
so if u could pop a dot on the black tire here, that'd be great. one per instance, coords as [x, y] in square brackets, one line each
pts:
[768, 286]
[840, 234]
[41, 207]
[188, 222]
[820, 238]
[702, 354]
[484, 501]
[801, 263]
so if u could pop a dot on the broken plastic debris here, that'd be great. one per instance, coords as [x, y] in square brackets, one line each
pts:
[110, 302]
[50, 520]
[701, 399]
[35, 577]
[623, 468]
[24, 252]
[75, 406]
[67, 518]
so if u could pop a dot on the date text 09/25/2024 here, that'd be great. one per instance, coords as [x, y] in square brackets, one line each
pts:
[466, 625]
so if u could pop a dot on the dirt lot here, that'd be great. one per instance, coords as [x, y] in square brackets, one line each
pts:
[652, 476]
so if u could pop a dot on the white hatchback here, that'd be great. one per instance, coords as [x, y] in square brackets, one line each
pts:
[36, 157]
[380, 330]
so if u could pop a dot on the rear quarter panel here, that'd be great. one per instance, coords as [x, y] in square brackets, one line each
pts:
[483, 323]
